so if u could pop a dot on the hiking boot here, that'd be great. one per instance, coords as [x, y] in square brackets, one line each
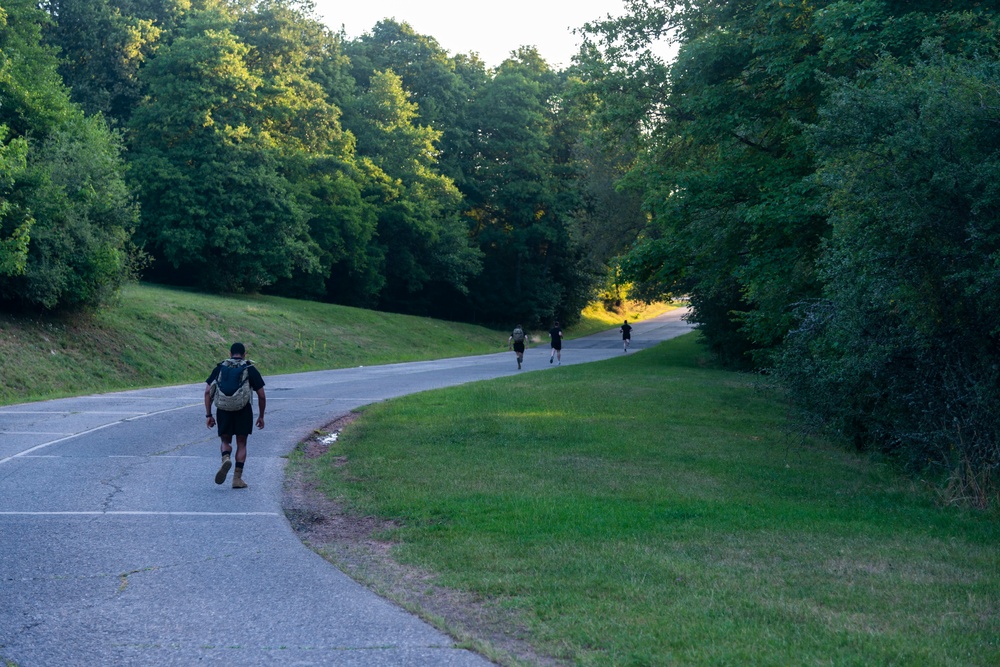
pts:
[220, 476]
[238, 482]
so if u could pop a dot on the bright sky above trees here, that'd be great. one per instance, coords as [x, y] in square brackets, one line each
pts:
[493, 29]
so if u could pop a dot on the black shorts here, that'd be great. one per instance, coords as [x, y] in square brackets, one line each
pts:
[237, 422]
[519, 346]
[626, 336]
[557, 345]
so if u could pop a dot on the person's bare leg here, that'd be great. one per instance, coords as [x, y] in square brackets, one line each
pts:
[241, 457]
[226, 446]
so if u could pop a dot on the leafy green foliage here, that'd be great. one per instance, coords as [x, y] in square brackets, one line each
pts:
[423, 239]
[737, 220]
[868, 236]
[15, 222]
[439, 85]
[523, 199]
[102, 48]
[66, 216]
[216, 207]
[906, 334]
[248, 181]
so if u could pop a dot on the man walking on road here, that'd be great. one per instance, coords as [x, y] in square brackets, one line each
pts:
[556, 334]
[626, 330]
[516, 341]
[229, 387]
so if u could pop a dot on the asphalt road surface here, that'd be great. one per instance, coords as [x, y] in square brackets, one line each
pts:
[116, 547]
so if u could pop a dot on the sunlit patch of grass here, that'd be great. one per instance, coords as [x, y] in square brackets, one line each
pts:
[595, 317]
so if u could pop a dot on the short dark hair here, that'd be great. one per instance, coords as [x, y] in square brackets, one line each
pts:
[237, 348]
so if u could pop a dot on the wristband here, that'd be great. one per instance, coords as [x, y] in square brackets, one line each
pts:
[208, 416]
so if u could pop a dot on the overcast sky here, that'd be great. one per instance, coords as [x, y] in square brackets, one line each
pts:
[493, 29]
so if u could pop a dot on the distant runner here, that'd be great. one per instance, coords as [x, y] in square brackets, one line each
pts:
[626, 330]
[516, 342]
[556, 334]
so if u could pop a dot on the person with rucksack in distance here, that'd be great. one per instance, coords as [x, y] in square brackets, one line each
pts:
[626, 330]
[229, 387]
[556, 334]
[516, 342]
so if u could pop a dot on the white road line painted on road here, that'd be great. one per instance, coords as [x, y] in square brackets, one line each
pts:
[70, 412]
[92, 430]
[35, 433]
[140, 513]
[213, 455]
[129, 397]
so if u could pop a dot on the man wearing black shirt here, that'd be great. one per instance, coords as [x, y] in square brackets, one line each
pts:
[238, 423]
[556, 334]
[626, 330]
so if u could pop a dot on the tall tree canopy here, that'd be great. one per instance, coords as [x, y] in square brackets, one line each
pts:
[817, 182]
[66, 216]
[424, 241]
[523, 199]
[737, 220]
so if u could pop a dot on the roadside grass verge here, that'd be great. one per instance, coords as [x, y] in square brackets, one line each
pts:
[652, 510]
[155, 336]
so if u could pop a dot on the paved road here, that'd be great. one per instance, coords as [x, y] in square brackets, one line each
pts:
[116, 548]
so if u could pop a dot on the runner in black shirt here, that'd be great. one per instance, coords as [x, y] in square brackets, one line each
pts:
[556, 333]
[626, 330]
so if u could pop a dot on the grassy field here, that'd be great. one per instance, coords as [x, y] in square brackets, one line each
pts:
[651, 510]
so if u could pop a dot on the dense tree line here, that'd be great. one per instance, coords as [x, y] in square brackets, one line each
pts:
[243, 146]
[821, 180]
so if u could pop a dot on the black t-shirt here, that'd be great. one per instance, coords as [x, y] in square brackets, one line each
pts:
[626, 331]
[556, 334]
[253, 376]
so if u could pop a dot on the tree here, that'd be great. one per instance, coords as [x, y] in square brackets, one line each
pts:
[900, 354]
[66, 216]
[15, 221]
[440, 85]
[102, 47]
[218, 212]
[425, 242]
[520, 206]
[736, 220]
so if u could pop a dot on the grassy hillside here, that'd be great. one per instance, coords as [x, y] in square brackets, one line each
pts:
[155, 336]
[652, 510]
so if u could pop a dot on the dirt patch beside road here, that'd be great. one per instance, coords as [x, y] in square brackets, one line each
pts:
[356, 545]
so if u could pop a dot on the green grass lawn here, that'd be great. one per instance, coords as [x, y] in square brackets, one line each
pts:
[652, 510]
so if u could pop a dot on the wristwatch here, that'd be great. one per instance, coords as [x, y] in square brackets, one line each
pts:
[208, 416]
